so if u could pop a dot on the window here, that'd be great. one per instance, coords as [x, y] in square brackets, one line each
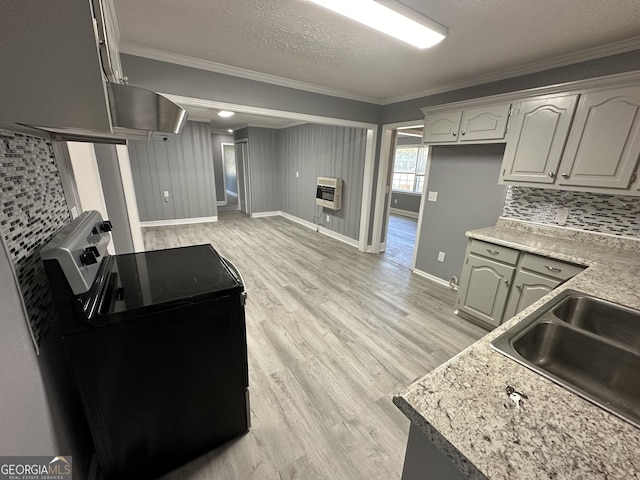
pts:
[409, 168]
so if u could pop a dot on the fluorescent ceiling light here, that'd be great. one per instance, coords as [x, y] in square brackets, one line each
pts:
[230, 130]
[395, 20]
[225, 114]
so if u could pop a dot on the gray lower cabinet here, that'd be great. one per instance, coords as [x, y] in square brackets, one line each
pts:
[424, 461]
[498, 282]
[484, 288]
[527, 289]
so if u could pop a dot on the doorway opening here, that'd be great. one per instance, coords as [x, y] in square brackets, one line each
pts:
[230, 179]
[407, 169]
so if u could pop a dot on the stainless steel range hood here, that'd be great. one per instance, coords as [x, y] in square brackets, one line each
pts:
[136, 114]
[135, 109]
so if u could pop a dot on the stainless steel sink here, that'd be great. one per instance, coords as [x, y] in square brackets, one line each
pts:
[587, 345]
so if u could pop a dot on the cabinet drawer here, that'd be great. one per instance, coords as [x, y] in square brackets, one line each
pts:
[550, 267]
[496, 252]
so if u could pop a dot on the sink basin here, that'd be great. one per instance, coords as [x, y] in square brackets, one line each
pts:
[587, 345]
[605, 319]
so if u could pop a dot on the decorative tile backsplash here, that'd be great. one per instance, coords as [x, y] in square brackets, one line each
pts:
[32, 209]
[612, 214]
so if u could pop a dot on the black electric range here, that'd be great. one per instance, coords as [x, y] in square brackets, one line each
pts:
[156, 342]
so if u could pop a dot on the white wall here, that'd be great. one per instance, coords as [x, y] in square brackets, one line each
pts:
[26, 421]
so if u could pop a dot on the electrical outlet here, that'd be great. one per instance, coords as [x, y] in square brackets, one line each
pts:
[432, 196]
[561, 215]
[395, 201]
[328, 218]
[165, 194]
[297, 174]
[441, 256]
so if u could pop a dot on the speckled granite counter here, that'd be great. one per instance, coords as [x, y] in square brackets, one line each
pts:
[462, 406]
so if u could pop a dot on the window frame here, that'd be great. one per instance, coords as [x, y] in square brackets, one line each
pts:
[418, 147]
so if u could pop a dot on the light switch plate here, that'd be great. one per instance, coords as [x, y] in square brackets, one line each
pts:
[561, 216]
[441, 256]
[432, 196]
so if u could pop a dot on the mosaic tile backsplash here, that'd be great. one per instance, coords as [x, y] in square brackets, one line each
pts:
[612, 214]
[33, 208]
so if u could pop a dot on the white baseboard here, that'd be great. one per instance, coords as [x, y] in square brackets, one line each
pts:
[231, 194]
[266, 214]
[323, 230]
[433, 278]
[178, 221]
[404, 213]
[220, 203]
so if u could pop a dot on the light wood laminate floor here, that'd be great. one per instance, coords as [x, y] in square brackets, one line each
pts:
[332, 334]
[401, 239]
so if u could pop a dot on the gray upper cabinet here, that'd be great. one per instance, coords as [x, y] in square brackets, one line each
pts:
[442, 127]
[537, 137]
[484, 124]
[51, 71]
[604, 143]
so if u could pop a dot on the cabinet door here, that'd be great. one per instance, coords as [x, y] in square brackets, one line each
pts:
[537, 138]
[527, 289]
[485, 123]
[51, 78]
[484, 289]
[604, 142]
[441, 127]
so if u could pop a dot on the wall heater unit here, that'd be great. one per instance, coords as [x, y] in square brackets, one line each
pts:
[329, 193]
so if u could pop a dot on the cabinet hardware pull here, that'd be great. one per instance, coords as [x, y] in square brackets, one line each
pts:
[551, 174]
[506, 282]
[462, 133]
[565, 175]
[519, 287]
[493, 252]
[454, 134]
[553, 269]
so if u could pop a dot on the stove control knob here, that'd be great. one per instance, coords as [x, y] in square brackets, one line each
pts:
[93, 250]
[88, 258]
[106, 226]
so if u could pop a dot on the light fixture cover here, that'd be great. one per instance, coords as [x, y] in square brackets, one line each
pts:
[225, 114]
[390, 17]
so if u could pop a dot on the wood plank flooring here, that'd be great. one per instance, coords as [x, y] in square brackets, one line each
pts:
[332, 334]
[401, 239]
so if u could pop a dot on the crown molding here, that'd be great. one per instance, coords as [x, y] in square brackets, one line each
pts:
[534, 67]
[184, 60]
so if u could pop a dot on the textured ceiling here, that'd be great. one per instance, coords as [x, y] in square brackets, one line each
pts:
[301, 41]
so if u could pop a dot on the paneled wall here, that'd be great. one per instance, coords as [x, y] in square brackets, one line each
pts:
[323, 151]
[265, 170]
[612, 214]
[33, 209]
[183, 166]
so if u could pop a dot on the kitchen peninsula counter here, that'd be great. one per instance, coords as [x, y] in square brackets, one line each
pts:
[463, 408]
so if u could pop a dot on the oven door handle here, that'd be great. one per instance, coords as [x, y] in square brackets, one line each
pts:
[235, 272]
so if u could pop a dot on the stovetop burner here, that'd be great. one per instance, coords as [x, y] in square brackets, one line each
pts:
[194, 281]
[160, 276]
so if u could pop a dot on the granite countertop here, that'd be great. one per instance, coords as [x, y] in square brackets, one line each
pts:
[463, 407]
